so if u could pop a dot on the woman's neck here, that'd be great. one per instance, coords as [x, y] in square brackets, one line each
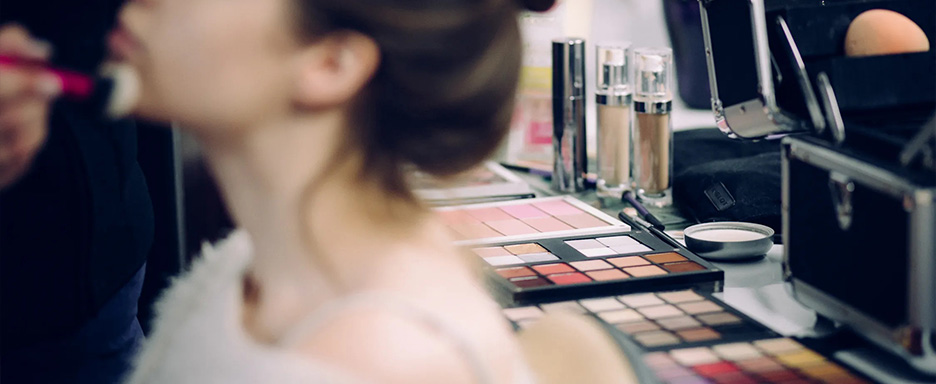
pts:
[298, 193]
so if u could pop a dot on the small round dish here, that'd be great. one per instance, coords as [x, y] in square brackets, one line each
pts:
[729, 240]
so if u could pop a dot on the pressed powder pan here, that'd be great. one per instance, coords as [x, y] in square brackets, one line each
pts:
[729, 240]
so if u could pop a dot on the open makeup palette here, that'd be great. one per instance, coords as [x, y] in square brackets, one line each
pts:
[486, 183]
[581, 266]
[691, 337]
[526, 219]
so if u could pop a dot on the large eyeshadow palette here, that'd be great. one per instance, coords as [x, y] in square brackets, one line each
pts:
[658, 320]
[525, 220]
[690, 337]
[573, 267]
[774, 360]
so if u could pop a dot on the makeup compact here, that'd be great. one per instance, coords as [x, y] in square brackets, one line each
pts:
[485, 183]
[526, 219]
[581, 266]
[729, 240]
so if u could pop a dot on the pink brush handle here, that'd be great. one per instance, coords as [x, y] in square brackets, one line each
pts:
[74, 84]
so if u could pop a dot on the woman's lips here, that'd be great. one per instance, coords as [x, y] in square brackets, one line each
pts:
[122, 44]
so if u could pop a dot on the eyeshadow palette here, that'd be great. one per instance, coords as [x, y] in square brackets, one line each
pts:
[657, 321]
[690, 337]
[774, 360]
[573, 267]
[485, 183]
[526, 219]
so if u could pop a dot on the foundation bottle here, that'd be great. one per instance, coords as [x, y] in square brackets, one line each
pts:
[653, 127]
[613, 100]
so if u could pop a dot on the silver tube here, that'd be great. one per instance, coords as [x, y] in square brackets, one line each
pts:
[570, 162]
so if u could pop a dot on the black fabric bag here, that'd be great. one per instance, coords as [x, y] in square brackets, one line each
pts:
[720, 179]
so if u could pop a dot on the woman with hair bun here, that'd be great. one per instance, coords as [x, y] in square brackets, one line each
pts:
[308, 112]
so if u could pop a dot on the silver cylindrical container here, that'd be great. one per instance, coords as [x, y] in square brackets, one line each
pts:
[570, 162]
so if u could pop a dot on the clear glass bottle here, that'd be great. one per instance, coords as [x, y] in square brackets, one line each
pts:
[613, 101]
[653, 126]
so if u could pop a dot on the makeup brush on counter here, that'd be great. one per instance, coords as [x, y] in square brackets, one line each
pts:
[113, 93]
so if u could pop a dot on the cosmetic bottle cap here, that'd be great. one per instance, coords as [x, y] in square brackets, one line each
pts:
[569, 67]
[654, 72]
[613, 61]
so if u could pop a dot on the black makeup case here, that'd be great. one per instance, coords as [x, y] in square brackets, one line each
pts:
[858, 159]
[860, 244]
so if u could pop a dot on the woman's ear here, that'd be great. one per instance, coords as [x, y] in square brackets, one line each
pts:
[333, 69]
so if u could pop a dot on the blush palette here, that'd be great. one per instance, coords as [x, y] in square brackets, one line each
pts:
[485, 183]
[525, 220]
[657, 321]
[573, 267]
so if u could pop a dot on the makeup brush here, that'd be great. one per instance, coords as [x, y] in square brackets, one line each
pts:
[114, 92]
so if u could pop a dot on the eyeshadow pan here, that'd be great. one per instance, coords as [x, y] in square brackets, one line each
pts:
[523, 211]
[474, 230]
[777, 346]
[656, 338]
[684, 266]
[598, 252]
[538, 257]
[498, 261]
[698, 334]
[523, 313]
[607, 275]
[547, 224]
[715, 369]
[622, 249]
[700, 307]
[509, 273]
[638, 326]
[511, 227]
[590, 265]
[721, 318]
[828, 373]
[668, 257]
[455, 216]
[557, 208]
[802, 358]
[488, 214]
[584, 244]
[530, 282]
[548, 269]
[680, 296]
[602, 304]
[629, 261]
[648, 270]
[620, 316]
[640, 300]
[568, 278]
[737, 351]
[694, 356]
[523, 249]
[582, 220]
[782, 375]
[677, 323]
[563, 307]
[761, 364]
[660, 311]
[491, 251]
[611, 241]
